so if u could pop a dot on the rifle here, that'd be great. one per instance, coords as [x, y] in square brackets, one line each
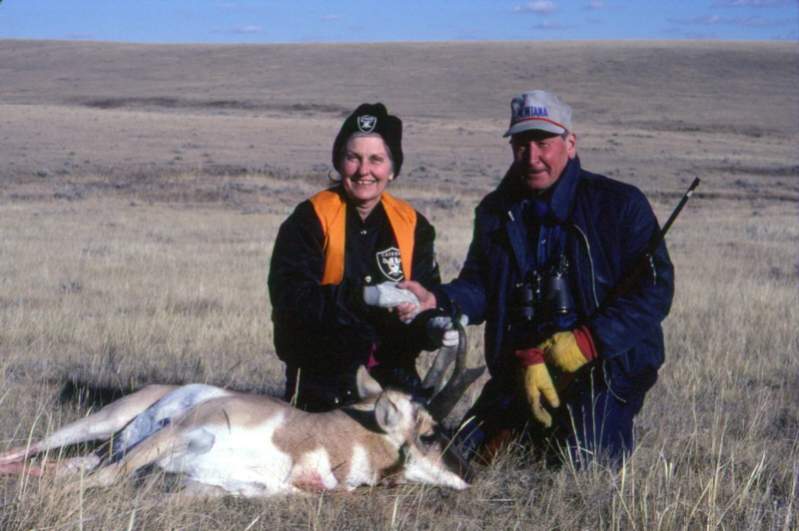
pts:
[646, 258]
[662, 234]
[565, 381]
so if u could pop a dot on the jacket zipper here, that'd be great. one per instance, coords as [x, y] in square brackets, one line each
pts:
[590, 262]
[604, 369]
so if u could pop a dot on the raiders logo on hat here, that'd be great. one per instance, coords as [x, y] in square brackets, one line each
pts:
[390, 264]
[367, 123]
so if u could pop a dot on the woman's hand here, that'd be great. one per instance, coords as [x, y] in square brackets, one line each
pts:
[427, 301]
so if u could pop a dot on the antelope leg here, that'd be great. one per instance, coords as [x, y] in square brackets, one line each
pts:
[100, 425]
[167, 442]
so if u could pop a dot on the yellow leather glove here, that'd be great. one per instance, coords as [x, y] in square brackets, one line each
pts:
[568, 351]
[538, 383]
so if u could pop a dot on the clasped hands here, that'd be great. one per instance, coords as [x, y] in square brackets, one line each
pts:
[408, 299]
[567, 351]
[441, 329]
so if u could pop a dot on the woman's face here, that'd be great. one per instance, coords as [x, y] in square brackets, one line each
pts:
[366, 168]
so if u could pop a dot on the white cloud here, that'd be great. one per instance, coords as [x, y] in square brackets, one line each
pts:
[759, 22]
[752, 3]
[702, 20]
[548, 25]
[693, 35]
[716, 20]
[537, 6]
[246, 30]
[595, 4]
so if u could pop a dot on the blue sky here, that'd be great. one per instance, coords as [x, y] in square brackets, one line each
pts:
[282, 21]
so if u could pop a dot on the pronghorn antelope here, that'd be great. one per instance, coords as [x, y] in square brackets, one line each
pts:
[222, 441]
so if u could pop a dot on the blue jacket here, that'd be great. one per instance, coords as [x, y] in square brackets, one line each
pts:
[608, 225]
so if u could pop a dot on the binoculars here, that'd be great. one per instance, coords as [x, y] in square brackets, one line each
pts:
[543, 296]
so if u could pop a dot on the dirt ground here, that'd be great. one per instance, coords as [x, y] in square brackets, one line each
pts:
[653, 113]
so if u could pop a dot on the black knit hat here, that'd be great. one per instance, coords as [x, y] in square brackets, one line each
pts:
[371, 118]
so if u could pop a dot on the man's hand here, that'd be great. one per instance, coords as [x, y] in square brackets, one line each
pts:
[538, 383]
[427, 301]
[442, 332]
[568, 351]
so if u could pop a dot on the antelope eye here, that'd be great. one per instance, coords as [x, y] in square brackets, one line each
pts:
[428, 439]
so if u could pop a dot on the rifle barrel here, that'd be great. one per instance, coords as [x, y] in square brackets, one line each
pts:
[677, 210]
[624, 284]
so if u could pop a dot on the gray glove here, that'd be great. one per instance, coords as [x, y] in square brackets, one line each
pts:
[388, 295]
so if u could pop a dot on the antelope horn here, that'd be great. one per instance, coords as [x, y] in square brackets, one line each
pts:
[462, 377]
[434, 379]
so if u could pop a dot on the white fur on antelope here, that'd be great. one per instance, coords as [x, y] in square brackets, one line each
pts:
[254, 445]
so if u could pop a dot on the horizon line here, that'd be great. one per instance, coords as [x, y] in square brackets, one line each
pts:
[367, 43]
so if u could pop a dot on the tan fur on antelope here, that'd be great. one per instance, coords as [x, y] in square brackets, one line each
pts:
[254, 445]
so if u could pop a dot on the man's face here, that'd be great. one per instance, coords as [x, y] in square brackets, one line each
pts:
[540, 157]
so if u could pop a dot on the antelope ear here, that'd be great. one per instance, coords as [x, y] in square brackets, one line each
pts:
[367, 386]
[387, 413]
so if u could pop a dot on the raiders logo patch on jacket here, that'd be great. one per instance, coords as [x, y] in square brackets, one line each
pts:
[390, 264]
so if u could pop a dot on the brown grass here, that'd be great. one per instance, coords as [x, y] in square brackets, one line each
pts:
[156, 273]
[118, 289]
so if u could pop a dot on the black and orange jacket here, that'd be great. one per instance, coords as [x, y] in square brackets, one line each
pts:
[331, 208]
[320, 322]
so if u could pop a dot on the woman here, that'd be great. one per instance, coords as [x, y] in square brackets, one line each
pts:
[333, 245]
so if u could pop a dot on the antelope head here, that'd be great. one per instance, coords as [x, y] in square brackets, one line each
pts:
[416, 436]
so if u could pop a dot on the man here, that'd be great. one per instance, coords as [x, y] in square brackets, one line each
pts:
[571, 353]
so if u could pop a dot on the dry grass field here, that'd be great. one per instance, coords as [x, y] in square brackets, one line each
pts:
[141, 188]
